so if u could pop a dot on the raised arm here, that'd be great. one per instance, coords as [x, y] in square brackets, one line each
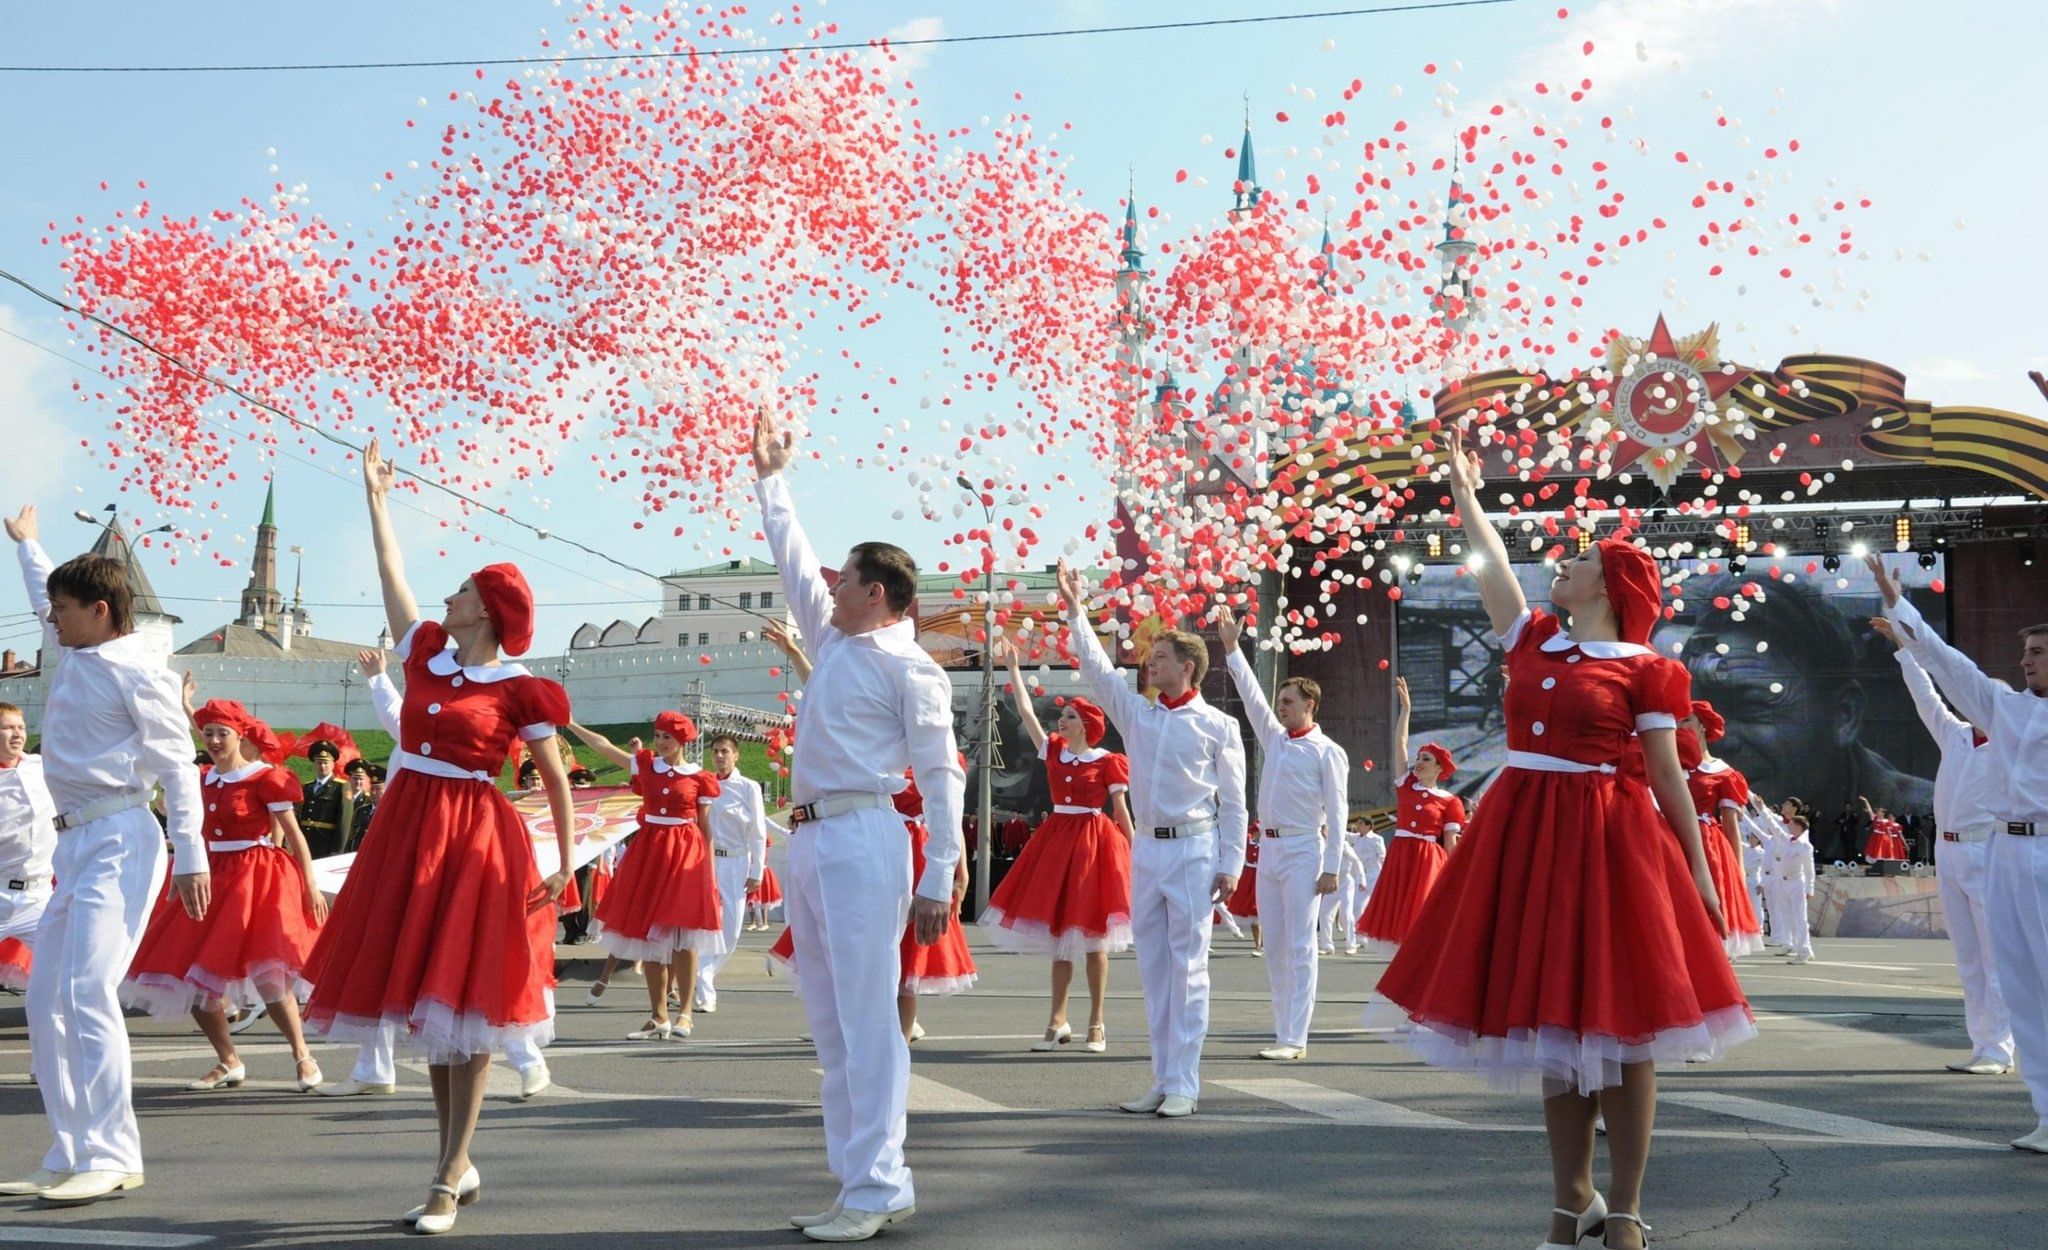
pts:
[1020, 694]
[1123, 704]
[384, 696]
[1975, 694]
[604, 746]
[25, 530]
[1402, 761]
[1498, 588]
[1265, 726]
[400, 608]
[803, 578]
[777, 633]
[1942, 725]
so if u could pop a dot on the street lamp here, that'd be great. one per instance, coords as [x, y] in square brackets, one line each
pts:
[984, 854]
[348, 683]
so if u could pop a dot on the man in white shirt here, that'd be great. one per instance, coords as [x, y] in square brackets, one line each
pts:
[1792, 887]
[1365, 853]
[739, 849]
[28, 838]
[1963, 824]
[1187, 805]
[1303, 788]
[114, 728]
[875, 704]
[2016, 877]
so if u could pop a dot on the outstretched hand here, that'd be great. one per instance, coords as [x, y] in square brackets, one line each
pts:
[22, 527]
[1229, 630]
[1070, 587]
[370, 662]
[774, 447]
[1466, 472]
[1885, 581]
[1401, 694]
[1884, 629]
[378, 473]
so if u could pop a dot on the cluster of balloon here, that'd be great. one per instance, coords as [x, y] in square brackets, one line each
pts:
[627, 257]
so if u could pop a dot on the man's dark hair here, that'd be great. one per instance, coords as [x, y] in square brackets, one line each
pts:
[2034, 631]
[891, 566]
[717, 738]
[1310, 689]
[97, 579]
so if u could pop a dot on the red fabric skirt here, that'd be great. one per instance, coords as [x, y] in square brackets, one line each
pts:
[944, 967]
[663, 898]
[1745, 932]
[1565, 939]
[1886, 845]
[431, 931]
[1244, 900]
[1069, 893]
[15, 962]
[1406, 880]
[769, 892]
[251, 948]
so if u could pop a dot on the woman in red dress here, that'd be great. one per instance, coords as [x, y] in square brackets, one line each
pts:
[1718, 792]
[252, 944]
[1887, 837]
[445, 927]
[1068, 895]
[1427, 821]
[768, 895]
[1570, 938]
[662, 907]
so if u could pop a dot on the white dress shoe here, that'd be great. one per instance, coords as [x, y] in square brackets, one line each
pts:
[533, 1080]
[2036, 1141]
[28, 1186]
[308, 1084]
[1054, 1038]
[88, 1186]
[351, 1087]
[1982, 1065]
[1096, 1045]
[1587, 1223]
[681, 1029]
[822, 1217]
[247, 1020]
[1284, 1052]
[594, 996]
[1142, 1106]
[1174, 1106]
[916, 1031]
[852, 1225]
[428, 1225]
[468, 1190]
[652, 1031]
[222, 1076]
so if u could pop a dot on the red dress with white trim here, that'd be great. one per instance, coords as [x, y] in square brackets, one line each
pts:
[16, 961]
[253, 944]
[1566, 937]
[944, 967]
[1069, 893]
[431, 932]
[663, 897]
[1243, 902]
[1715, 787]
[1887, 840]
[769, 892]
[1415, 859]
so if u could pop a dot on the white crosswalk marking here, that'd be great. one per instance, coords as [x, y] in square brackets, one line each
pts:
[1333, 1104]
[929, 1095]
[1824, 1123]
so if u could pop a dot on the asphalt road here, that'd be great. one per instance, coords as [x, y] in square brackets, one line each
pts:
[1837, 1127]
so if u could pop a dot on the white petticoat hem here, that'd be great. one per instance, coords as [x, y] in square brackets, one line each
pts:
[169, 998]
[444, 1035]
[1740, 944]
[661, 944]
[936, 987]
[13, 978]
[1031, 937]
[1588, 1062]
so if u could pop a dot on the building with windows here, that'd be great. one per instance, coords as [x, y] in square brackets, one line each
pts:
[716, 605]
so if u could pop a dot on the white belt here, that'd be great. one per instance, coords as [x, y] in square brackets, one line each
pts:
[1290, 831]
[667, 820]
[244, 845]
[838, 805]
[1536, 761]
[1075, 809]
[100, 809]
[1951, 835]
[438, 768]
[1421, 837]
[1187, 829]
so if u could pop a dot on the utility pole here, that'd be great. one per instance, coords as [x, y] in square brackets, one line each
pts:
[693, 751]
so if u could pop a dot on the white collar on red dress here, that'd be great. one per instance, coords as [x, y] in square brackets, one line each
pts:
[1069, 755]
[1561, 641]
[1416, 782]
[246, 771]
[1712, 766]
[683, 769]
[444, 664]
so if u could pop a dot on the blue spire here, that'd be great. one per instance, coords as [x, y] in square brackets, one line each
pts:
[1133, 255]
[1456, 200]
[1328, 251]
[1247, 167]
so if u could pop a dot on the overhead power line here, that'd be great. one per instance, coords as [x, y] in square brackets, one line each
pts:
[839, 46]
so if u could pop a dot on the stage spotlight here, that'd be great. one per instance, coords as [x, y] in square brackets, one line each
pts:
[1585, 540]
[1435, 543]
[1742, 535]
[1926, 559]
[1831, 562]
[1738, 564]
[1415, 572]
[1902, 530]
[1858, 550]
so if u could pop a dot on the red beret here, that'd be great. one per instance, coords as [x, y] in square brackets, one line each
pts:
[1445, 766]
[1093, 723]
[1710, 720]
[509, 602]
[676, 725]
[1635, 589]
[232, 714]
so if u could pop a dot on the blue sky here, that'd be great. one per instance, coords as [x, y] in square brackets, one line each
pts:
[1920, 108]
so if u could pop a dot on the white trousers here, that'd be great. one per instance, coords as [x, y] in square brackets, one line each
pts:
[1788, 917]
[1331, 909]
[108, 875]
[1289, 912]
[2016, 916]
[848, 897]
[731, 871]
[1959, 870]
[21, 913]
[1170, 922]
[377, 1061]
